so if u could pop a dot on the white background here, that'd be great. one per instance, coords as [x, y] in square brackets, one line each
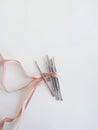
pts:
[67, 30]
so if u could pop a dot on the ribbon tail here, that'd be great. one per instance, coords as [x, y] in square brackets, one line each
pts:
[1, 125]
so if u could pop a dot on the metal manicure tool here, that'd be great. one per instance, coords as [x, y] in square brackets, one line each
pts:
[54, 86]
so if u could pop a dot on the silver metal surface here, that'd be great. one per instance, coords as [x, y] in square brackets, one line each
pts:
[43, 76]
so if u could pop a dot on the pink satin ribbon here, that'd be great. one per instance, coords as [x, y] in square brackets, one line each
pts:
[34, 83]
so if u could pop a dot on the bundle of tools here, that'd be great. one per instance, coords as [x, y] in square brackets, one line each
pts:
[54, 86]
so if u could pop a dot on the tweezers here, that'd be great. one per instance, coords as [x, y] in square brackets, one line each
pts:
[54, 86]
[45, 80]
[54, 80]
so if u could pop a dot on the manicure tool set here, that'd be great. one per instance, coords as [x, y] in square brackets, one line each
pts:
[50, 78]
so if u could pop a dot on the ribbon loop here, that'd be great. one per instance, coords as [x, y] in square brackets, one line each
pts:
[36, 79]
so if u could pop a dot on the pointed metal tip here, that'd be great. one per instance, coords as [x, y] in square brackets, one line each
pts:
[47, 57]
[36, 64]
